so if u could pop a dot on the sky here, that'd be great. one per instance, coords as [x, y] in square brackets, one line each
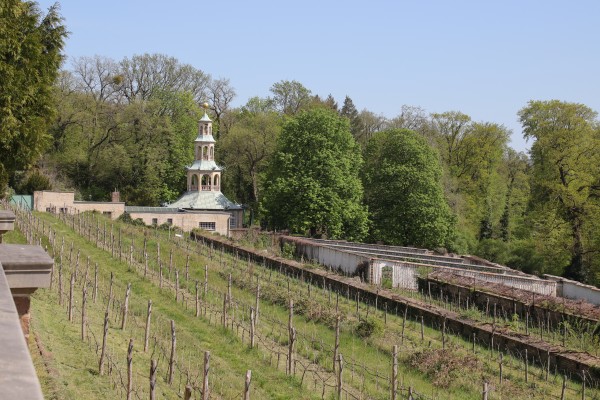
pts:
[486, 59]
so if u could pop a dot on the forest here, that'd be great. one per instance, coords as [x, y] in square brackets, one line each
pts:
[303, 161]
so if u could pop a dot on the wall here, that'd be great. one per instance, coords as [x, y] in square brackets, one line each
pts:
[54, 200]
[188, 220]
[565, 361]
[405, 273]
[576, 290]
[115, 209]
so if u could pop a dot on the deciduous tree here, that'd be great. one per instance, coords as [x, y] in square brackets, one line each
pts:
[566, 175]
[314, 184]
[403, 191]
[30, 54]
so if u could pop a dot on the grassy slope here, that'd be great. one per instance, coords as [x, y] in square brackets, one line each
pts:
[374, 353]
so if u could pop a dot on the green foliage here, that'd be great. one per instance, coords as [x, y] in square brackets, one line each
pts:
[290, 97]
[3, 181]
[403, 191]
[288, 250]
[126, 218]
[32, 181]
[313, 178]
[369, 327]
[246, 150]
[30, 51]
[565, 177]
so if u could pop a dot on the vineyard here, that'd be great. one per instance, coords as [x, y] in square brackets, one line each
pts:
[140, 313]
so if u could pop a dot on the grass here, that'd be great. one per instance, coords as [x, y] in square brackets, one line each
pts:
[315, 335]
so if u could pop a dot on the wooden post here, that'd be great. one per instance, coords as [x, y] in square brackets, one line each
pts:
[60, 288]
[340, 370]
[247, 385]
[188, 393]
[224, 320]
[176, 285]
[172, 357]
[252, 326]
[72, 284]
[130, 369]
[197, 301]
[290, 367]
[485, 391]
[336, 347]
[205, 280]
[526, 367]
[95, 292]
[125, 307]
[160, 275]
[583, 385]
[422, 328]
[170, 260]
[83, 312]
[110, 293]
[257, 303]
[103, 351]
[145, 262]
[404, 323]
[205, 391]
[153, 366]
[229, 291]
[394, 383]
[187, 267]
[147, 332]
[564, 388]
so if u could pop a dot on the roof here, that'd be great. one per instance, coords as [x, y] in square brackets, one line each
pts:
[205, 118]
[205, 138]
[204, 165]
[139, 209]
[205, 200]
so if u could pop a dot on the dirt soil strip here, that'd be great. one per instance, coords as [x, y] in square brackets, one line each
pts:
[53, 373]
[575, 364]
[578, 308]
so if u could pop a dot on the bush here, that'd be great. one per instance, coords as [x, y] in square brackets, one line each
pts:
[369, 327]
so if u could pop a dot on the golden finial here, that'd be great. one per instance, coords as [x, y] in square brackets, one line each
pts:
[205, 105]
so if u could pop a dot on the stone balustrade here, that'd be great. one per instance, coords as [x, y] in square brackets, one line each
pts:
[23, 269]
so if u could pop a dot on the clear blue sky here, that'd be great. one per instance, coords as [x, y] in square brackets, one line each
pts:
[483, 58]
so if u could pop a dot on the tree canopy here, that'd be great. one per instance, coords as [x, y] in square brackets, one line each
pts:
[30, 50]
[403, 191]
[314, 183]
[565, 181]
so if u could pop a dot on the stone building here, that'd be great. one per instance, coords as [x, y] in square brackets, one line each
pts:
[201, 206]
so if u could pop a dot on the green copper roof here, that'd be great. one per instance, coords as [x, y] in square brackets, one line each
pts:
[205, 118]
[204, 200]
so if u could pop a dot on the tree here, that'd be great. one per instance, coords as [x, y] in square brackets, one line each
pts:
[349, 111]
[403, 191]
[314, 183]
[290, 97]
[248, 146]
[30, 50]
[566, 175]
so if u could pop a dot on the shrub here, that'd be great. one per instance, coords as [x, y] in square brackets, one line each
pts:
[369, 327]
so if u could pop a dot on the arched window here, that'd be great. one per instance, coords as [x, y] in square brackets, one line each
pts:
[212, 152]
[216, 182]
[210, 130]
[205, 153]
[194, 183]
[205, 182]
